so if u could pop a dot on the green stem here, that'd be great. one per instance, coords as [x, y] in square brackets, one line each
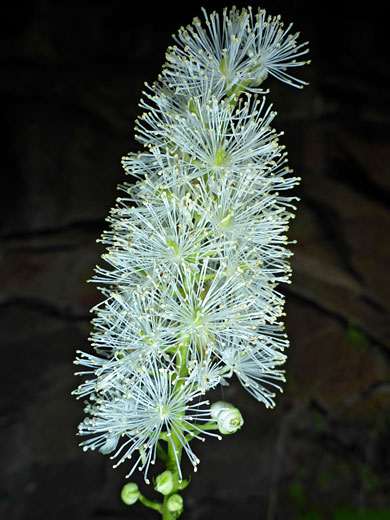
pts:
[161, 453]
[174, 444]
[182, 368]
[211, 425]
[152, 504]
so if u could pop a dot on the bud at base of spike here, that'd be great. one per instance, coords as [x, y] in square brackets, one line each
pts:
[228, 417]
[175, 503]
[164, 483]
[130, 493]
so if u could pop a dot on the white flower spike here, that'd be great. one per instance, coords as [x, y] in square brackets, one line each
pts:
[195, 251]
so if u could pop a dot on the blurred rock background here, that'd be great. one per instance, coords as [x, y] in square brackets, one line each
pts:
[72, 77]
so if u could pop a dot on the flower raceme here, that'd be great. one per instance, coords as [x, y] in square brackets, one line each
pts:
[195, 251]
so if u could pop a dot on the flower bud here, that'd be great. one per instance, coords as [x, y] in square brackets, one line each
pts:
[175, 503]
[228, 417]
[217, 407]
[130, 493]
[164, 483]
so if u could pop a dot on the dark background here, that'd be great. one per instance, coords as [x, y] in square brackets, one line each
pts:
[72, 78]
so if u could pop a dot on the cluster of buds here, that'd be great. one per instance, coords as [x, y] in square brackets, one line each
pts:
[195, 251]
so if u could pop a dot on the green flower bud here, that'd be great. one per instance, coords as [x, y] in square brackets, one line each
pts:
[130, 493]
[164, 483]
[175, 503]
[228, 417]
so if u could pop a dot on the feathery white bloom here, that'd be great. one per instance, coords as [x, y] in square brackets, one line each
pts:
[175, 99]
[213, 135]
[254, 362]
[131, 323]
[207, 373]
[162, 239]
[196, 247]
[237, 49]
[154, 402]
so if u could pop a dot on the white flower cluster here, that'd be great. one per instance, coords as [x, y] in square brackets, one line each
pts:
[197, 247]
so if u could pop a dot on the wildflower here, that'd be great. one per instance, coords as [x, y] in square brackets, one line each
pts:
[195, 250]
[163, 241]
[238, 49]
[151, 403]
[130, 326]
[210, 310]
[254, 362]
[206, 373]
[213, 136]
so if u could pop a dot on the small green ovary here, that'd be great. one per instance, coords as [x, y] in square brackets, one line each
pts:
[163, 411]
[197, 317]
[226, 220]
[220, 157]
[223, 66]
[171, 243]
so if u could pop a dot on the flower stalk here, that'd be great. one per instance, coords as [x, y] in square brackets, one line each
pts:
[195, 251]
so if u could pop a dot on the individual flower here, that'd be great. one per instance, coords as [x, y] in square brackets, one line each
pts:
[275, 49]
[169, 182]
[130, 326]
[255, 362]
[174, 99]
[209, 307]
[214, 136]
[205, 373]
[237, 49]
[162, 241]
[154, 402]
